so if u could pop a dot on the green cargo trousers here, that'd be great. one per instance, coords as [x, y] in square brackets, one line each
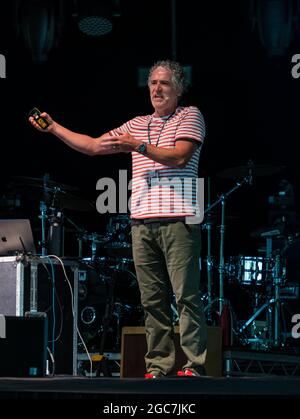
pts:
[166, 257]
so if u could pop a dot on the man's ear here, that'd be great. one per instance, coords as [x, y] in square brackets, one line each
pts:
[179, 93]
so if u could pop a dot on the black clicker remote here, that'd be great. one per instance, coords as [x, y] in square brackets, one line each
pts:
[36, 114]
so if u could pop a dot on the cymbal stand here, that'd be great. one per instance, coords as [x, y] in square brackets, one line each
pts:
[222, 256]
[209, 259]
[222, 199]
[209, 269]
[43, 217]
[277, 280]
[109, 306]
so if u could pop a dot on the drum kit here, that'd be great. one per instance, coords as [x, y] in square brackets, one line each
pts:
[251, 290]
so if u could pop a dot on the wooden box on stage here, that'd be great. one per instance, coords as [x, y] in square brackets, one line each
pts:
[133, 349]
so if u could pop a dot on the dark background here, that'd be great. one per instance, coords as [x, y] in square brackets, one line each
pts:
[244, 89]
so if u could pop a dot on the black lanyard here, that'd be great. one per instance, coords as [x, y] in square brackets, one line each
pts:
[149, 123]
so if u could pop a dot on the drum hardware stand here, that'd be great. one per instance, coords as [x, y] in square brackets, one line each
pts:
[209, 259]
[117, 312]
[55, 233]
[94, 246]
[43, 217]
[222, 199]
[277, 280]
[106, 322]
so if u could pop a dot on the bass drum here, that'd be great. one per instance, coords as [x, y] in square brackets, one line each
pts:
[92, 297]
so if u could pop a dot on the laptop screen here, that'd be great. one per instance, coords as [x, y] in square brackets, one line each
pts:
[16, 237]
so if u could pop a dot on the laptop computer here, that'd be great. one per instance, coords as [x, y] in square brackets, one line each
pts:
[16, 237]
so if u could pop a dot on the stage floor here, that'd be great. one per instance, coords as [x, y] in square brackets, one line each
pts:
[173, 397]
[64, 387]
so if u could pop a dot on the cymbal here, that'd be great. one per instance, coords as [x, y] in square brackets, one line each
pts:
[43, 182]
[53, 193]
[270, 231]
[257, 170]
[65, 200]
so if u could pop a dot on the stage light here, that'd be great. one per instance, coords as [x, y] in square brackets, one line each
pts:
[95, 25]
[95, 18]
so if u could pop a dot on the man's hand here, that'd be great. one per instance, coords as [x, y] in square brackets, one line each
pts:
[124, 143]
[111, 144]
[51, 126]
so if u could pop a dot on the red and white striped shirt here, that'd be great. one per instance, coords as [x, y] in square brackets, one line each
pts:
[159, 190]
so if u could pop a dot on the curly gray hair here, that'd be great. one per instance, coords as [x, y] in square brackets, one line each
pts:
[177, 73]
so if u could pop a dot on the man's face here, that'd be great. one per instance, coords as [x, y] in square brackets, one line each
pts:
[163, 94]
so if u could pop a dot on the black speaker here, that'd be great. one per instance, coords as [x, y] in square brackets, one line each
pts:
[23, 346]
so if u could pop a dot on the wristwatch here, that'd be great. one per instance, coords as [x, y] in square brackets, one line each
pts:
[142, 148]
